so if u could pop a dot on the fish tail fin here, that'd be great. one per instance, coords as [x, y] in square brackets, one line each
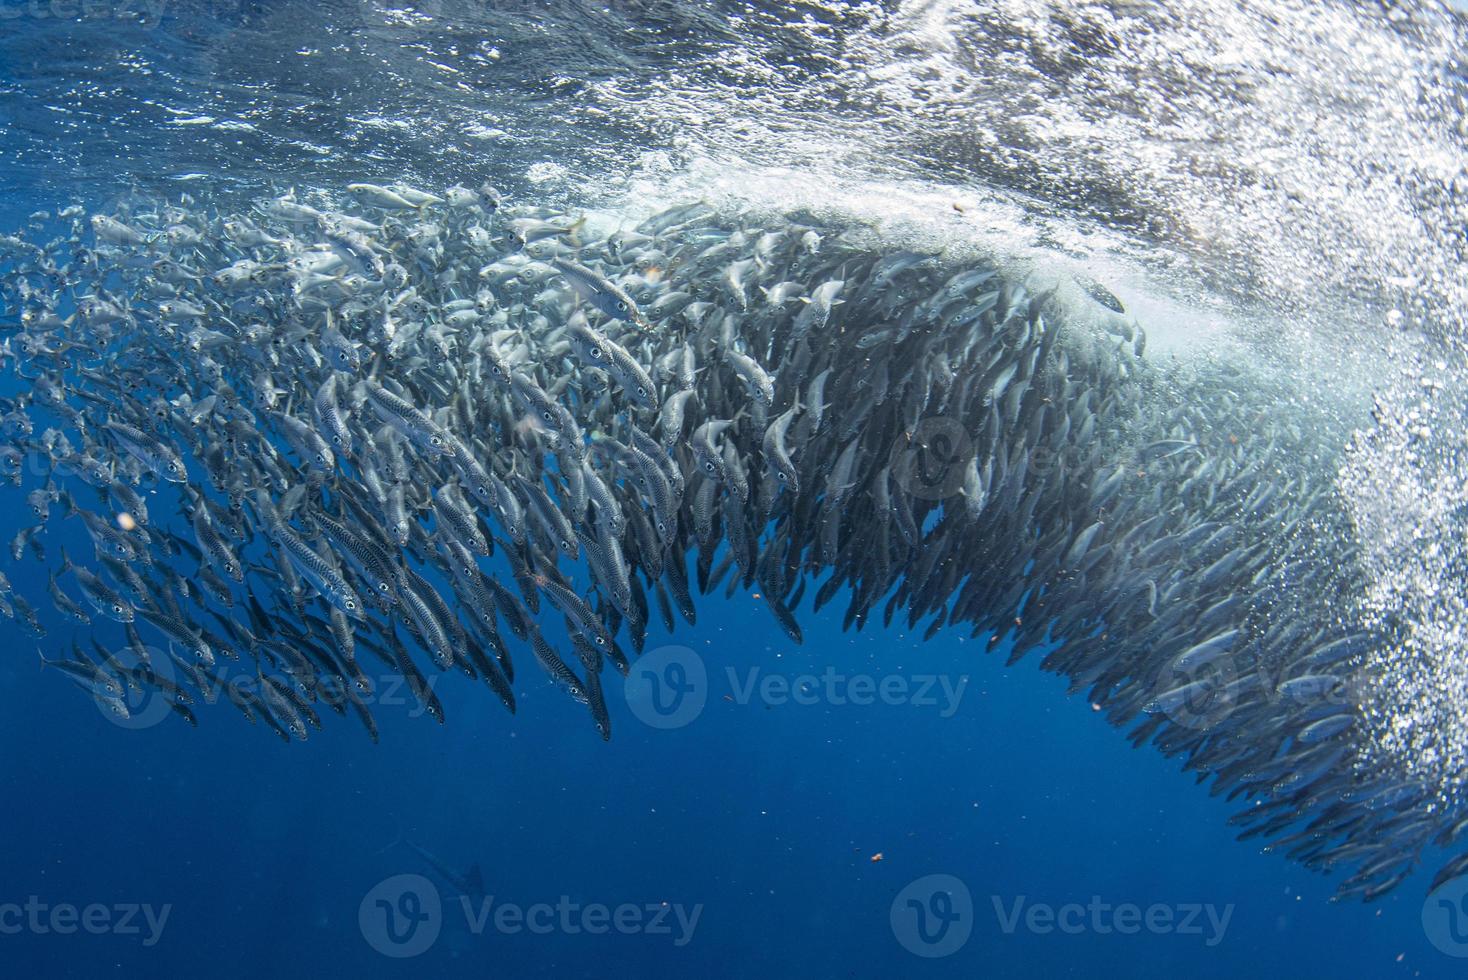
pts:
[574, 232]
[66, 564]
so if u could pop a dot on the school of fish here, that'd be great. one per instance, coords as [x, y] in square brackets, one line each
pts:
[418, 429]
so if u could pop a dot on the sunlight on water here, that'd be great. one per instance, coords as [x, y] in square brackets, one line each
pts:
[1406, 482]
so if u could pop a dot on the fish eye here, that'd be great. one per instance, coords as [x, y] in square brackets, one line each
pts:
[780, 475]
[350, 604]
[709, 466]
[546, 416]
[382, 587]
[435, 440]
[601, 642]
[622, 305]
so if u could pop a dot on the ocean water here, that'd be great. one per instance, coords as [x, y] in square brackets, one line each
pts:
[1277, 184]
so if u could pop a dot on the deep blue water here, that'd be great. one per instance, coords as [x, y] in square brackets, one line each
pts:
[760, 817]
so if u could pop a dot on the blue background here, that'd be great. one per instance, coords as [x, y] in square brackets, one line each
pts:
[765, 814]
